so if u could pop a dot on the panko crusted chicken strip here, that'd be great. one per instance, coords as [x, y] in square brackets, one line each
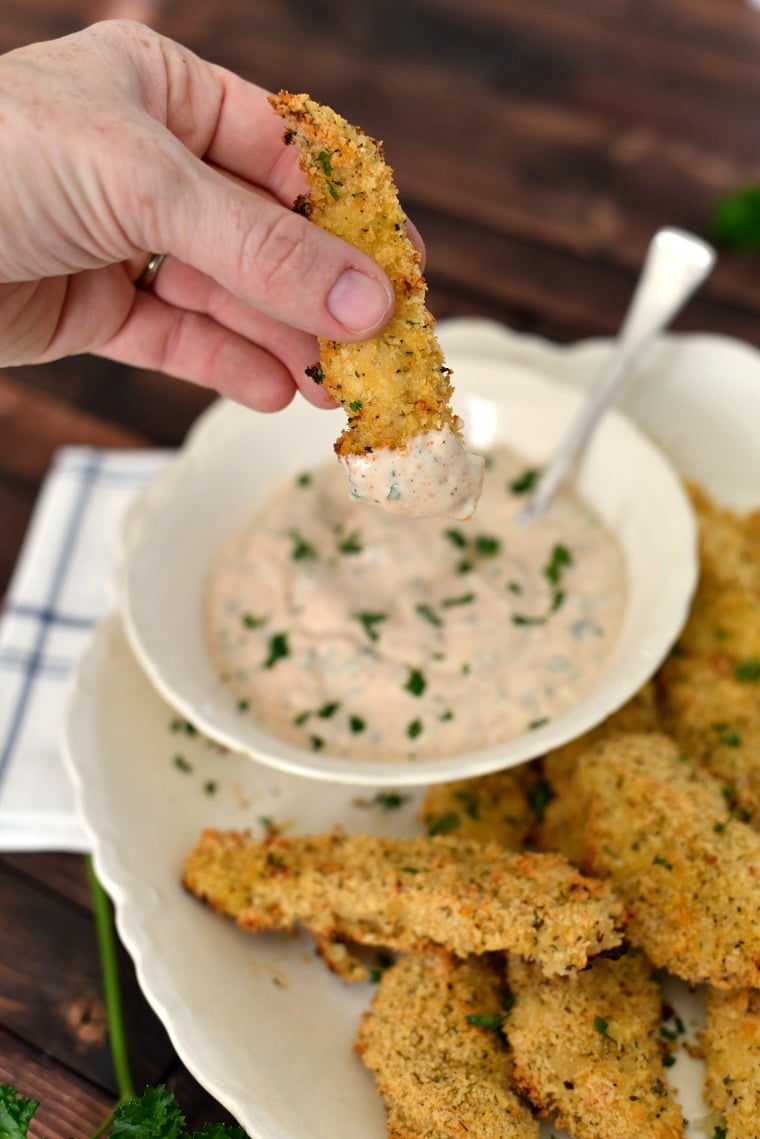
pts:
[586, 1049]
[491, 808]
[663, 833]
[407, 894]
[402, 448]
[731, 1045]
[431, 1040]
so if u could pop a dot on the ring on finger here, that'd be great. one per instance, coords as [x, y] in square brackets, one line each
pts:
[150, 272]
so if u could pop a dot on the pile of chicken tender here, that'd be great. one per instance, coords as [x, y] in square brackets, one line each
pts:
[526, 935]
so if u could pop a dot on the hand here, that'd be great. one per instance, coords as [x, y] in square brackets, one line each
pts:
[120, 143]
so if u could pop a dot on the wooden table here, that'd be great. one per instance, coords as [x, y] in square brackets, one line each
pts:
[537, 144]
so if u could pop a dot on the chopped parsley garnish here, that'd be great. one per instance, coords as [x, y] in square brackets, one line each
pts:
[560, 559]
[356, 724]
[486, 545]
[462, 599]
[457, 537]
[484, 1021]
[243, 705]
[315, 373]
[278, 649]
[668, 1060]
[302, 549]
[659, 861]
[601, 1025]
[390, 800]
[415, 683]
[182, 764]
[727, 736]
[442, 824]
[539, 723]
[469, 804]
[369, 622]
[323, 158]
[735, 223]
[317, 743]
[747, 671]
[539, 797]
[524, 482]
[251, 621]
[304, 479]
[211, 786]
[356, 405]
[350, 543]
[383, 961]
[427, 611]
[414, 730]
[328, 710]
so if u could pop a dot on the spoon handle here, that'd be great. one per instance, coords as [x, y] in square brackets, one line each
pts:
[676, 264]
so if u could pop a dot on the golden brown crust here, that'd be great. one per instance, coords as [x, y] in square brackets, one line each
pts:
[663, 833]
[396, 385]
[586, 1049]
[405, 894]
[731, 1043]
[491, 808]
[440, 1074]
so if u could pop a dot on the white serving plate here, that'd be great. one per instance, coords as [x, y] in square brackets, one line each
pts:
[234, 458]
[258, 1020]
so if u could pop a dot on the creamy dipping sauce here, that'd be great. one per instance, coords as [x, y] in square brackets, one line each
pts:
[349, 630]
[433, 476]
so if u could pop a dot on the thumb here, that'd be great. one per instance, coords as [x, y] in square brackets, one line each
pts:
[275, 259]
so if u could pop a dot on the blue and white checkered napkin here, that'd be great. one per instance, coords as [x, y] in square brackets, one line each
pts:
[61, 587]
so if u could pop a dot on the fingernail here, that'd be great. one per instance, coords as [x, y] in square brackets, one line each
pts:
[359, 302]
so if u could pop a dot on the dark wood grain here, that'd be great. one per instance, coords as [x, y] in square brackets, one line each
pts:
[537, 146]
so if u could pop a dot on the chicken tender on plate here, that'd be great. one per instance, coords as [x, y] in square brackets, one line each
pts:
[586, 1049]
[433, 1043]
[402, 447]
[491, 808]
[459, 894]
[665, 836]
[731, 1043]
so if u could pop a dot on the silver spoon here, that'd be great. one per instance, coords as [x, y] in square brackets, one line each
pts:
[676, 264]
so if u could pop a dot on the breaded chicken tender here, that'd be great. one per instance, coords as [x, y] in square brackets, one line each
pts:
[562, 827]
[402, 446]
[432, 1041]
[663, 833]
[586, 1049]
[731, 1043]
[464, 896]
[491, 808]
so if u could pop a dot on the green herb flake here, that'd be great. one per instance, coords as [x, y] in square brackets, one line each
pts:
[524, 482]
[416, 682]
[317, 743]
[243, 705]
[302, 550]
[328, 710]
[442, 824]
[356, 724]
[539, 797]
[304, 479]
[390, 800]
[427, 611]
[601, 1025]
[457, 538]
[323, 158]
[350, 543]
[747, 671]
[251, 621]
[211, 787]
[534, 725]
[462, 599]
[480, 1020]
[383, 961]
[559, 560]
[415, 729]
[486, 545]
[668, 1060]
[278, 649]
[315, 373]
[182, 764]
[356, 405]
[663, 862]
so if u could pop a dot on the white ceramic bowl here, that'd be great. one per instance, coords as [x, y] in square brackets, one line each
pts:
[233, 458]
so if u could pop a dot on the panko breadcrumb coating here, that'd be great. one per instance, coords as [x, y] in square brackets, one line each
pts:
[665, 836]
[586, 1049]
[491, 808]
[395, 388]
[408, 894]
[731, 1044]
[433, 1043]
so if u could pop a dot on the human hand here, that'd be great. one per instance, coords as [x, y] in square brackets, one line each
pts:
[122, 142]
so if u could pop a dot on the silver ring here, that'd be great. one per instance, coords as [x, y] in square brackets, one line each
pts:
[150, 272]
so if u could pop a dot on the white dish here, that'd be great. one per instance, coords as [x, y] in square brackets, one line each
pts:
[234, 458]
[259, 1022]
[257, 1019]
